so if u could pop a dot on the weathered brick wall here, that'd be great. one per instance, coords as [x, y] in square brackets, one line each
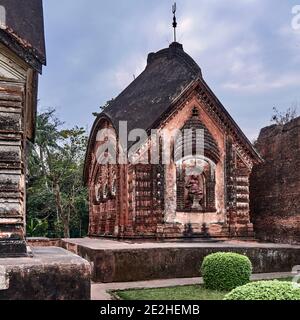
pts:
[12, 180]
[17, 107]
[275, 185]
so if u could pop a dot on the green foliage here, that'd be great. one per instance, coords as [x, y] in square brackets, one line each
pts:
[36, 228]
[57, 231]
[102, 108]
[225, 271]
[55, 190]
[265, 290]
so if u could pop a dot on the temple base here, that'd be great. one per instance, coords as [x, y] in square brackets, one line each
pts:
[48, 274]
[13, 248]
[125, 261]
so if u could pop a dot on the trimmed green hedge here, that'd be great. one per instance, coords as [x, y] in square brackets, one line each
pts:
[265, 290]
[225, 271]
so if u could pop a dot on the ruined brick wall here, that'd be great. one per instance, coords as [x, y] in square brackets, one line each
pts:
[275, 185]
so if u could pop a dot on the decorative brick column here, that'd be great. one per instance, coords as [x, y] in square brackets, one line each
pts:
[22, 56]
[12, 170]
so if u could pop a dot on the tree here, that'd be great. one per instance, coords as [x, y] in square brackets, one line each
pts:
[55, 187]
[281, 118]
[102, 108]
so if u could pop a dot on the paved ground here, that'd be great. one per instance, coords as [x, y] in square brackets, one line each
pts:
[100, 290]
[104, 244]
[44, 256]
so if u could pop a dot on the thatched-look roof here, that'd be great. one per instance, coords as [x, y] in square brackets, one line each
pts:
[170, 74]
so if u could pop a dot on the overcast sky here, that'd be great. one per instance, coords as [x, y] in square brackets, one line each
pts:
[247, 49]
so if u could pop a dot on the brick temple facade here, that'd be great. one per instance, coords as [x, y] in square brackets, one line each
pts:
[193, 195]
[22, 54]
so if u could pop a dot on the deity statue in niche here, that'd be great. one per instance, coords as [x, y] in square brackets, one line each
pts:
[192, 181]
[195, 192]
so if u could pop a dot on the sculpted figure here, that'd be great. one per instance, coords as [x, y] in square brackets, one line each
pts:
[195, 192]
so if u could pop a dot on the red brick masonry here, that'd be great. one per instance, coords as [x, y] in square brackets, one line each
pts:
[275, 185]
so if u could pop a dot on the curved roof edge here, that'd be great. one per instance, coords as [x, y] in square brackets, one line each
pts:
[92, 136]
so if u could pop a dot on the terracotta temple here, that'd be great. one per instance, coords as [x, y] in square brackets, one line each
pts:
[195, 194]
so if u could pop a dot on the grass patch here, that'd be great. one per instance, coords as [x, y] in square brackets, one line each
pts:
[193, 292]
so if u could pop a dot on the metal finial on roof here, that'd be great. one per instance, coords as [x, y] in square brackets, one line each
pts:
[174, 8]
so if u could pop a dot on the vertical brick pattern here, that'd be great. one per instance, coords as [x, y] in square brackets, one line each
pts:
[149, 199]
[12, 169]
[237, 191]
[230, 185]
[103, 201]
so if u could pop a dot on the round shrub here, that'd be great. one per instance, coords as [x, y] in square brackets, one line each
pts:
[265, 290]
[225, 271]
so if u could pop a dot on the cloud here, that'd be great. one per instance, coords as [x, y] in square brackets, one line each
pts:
[123, 74]
[246, 49]
[248, 73]
[264, 83]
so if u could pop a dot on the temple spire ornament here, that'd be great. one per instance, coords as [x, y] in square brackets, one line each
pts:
[174, 8]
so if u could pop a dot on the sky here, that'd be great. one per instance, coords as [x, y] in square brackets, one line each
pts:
[248, 50]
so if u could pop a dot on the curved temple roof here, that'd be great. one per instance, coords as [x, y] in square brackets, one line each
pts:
[169, 74]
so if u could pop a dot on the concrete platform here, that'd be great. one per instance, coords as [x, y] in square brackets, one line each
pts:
[125, 261]
[50, 274]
